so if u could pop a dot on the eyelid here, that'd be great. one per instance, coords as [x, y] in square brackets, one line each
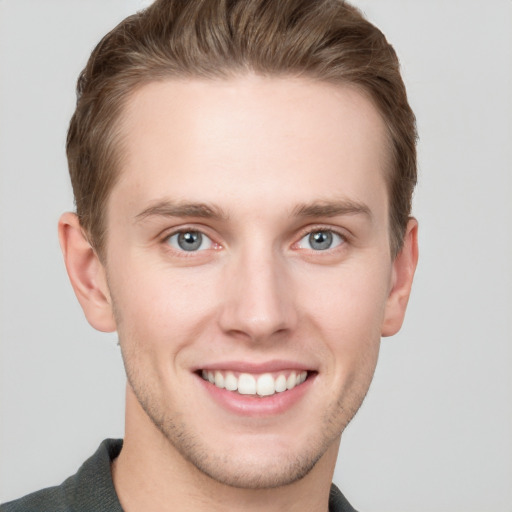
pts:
[184, 228]
[322, 227]
[167, 234]
[204, 241]
[164, 237]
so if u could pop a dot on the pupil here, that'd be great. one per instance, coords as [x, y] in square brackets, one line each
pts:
[190, 240]
[321, 240]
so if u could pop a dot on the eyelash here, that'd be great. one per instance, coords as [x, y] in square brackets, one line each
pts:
[183, 253]
[323, 229]
[305, 232]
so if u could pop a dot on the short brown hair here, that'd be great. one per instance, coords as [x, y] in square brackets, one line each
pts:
[328, 40]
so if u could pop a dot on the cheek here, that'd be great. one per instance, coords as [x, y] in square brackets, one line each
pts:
[350, 297]
[160, 315]
[347, 306]
[157, 305]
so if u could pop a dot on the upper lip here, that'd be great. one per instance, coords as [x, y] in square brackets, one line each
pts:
[256, 367]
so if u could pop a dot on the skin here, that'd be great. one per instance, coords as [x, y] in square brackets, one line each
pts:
[275, 159]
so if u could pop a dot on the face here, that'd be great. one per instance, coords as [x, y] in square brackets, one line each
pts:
[249, 268]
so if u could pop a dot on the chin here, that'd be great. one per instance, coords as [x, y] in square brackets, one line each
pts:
[263, 468]
[248, 461]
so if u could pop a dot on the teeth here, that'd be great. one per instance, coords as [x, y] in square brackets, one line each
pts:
[247, 384]
[219, 379]
[230, 382]
[265, 385]
[280, 384]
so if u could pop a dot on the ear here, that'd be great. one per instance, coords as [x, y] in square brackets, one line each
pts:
[86, 273]
[401, 281]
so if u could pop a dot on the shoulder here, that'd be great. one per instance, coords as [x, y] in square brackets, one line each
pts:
[55, 499]
[90, 489]
[338, 502]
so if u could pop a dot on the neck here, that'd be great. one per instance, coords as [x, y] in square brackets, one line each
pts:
[150, 474]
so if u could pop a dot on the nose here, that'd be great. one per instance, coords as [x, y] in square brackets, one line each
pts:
[259, 302]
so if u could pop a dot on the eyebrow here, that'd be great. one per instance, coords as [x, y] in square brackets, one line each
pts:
[332, 209]
[166, 208]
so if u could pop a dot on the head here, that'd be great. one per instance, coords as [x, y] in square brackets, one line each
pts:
[243, 175]
[324, 40]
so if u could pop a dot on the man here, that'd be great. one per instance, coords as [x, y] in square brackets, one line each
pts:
[243, 174]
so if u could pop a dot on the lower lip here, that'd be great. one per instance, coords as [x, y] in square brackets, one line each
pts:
[254, 405]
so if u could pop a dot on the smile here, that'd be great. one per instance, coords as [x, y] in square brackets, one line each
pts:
[265, 384]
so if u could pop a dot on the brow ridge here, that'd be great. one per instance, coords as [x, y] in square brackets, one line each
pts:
[332, 209]
[167, 208]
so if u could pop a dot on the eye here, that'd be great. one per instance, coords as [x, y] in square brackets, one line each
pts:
[189, 241]
[321, 240]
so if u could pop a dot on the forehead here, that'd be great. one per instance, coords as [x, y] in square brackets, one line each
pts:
[268, 140]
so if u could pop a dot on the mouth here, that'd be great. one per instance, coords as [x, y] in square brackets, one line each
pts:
[258, 385]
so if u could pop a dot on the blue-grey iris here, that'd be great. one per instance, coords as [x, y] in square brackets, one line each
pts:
[190, 240]
[320, 240]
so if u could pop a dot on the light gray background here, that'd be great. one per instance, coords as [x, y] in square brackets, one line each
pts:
[435, 433]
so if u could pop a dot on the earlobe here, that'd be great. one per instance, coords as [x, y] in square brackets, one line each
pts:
[86, 273]
[404, 267]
